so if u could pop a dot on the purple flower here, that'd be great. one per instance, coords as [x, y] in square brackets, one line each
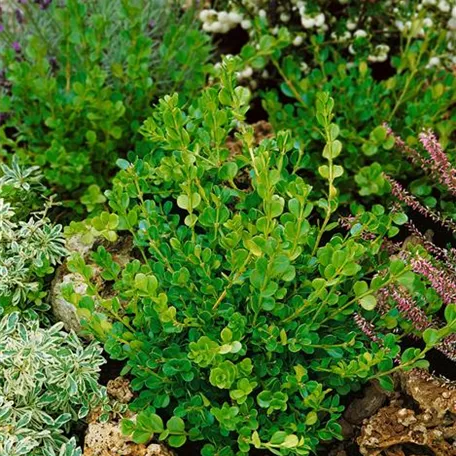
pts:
[366, 327]
[440, 161]
[2, 28]
[410, 310]
[440, 280]
[404, 196]
[438, 165]
[408, 307]
[16, 46]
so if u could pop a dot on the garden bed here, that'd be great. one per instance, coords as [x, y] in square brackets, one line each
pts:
[227, 228]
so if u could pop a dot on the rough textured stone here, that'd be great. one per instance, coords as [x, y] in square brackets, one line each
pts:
[63, 310]
[423, 416]
[119, 389]
[75, 244]
[106, 439]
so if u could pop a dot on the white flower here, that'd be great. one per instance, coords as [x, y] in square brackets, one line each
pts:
[224, 28]
[223, 17]
[247, 73]
[453, 12]
[452, 23]
[285, 17]
[360, 33]
[262, 13]
[304, 67]
[351, 49]
[246, 24]
[433, 61]
[235, 17]
[298, 40]
[307, 22]
[400, 25]
[443, 6]
[319, 20]
[206, 14]
[351, 25]
[382, 48]
[428, 22]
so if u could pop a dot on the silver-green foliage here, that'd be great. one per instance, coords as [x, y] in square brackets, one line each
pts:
[30, 245]
[48, 380]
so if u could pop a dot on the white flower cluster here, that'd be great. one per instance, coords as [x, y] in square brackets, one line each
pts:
[309, 20]
[222, 21]
[429, 15]
[423, 18]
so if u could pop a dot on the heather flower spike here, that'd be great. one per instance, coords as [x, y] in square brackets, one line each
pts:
[440, 161]
[438, 278]
[437, 165]
[366, 327]
[409, 308]
[405, 197]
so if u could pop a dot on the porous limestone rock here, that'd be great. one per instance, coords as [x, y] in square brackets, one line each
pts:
[423, 417]
[106, 439]
[63, 310]
[119, 389]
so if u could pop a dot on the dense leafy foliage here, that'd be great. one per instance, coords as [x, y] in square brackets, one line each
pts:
[236, 317]
[74, 96]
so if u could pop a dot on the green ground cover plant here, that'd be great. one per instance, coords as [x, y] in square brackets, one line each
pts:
[238, 316]
[79, 78]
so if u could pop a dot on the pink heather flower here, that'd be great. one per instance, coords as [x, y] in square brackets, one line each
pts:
[404, 196]
[426, 243]
[383, 306]
[415, 157]
[448, 348]
[408, 307]
[440, 161]
[366, 327]
[438, 165]
[439, 279]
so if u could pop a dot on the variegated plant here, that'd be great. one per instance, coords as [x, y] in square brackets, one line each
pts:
[48, 380]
